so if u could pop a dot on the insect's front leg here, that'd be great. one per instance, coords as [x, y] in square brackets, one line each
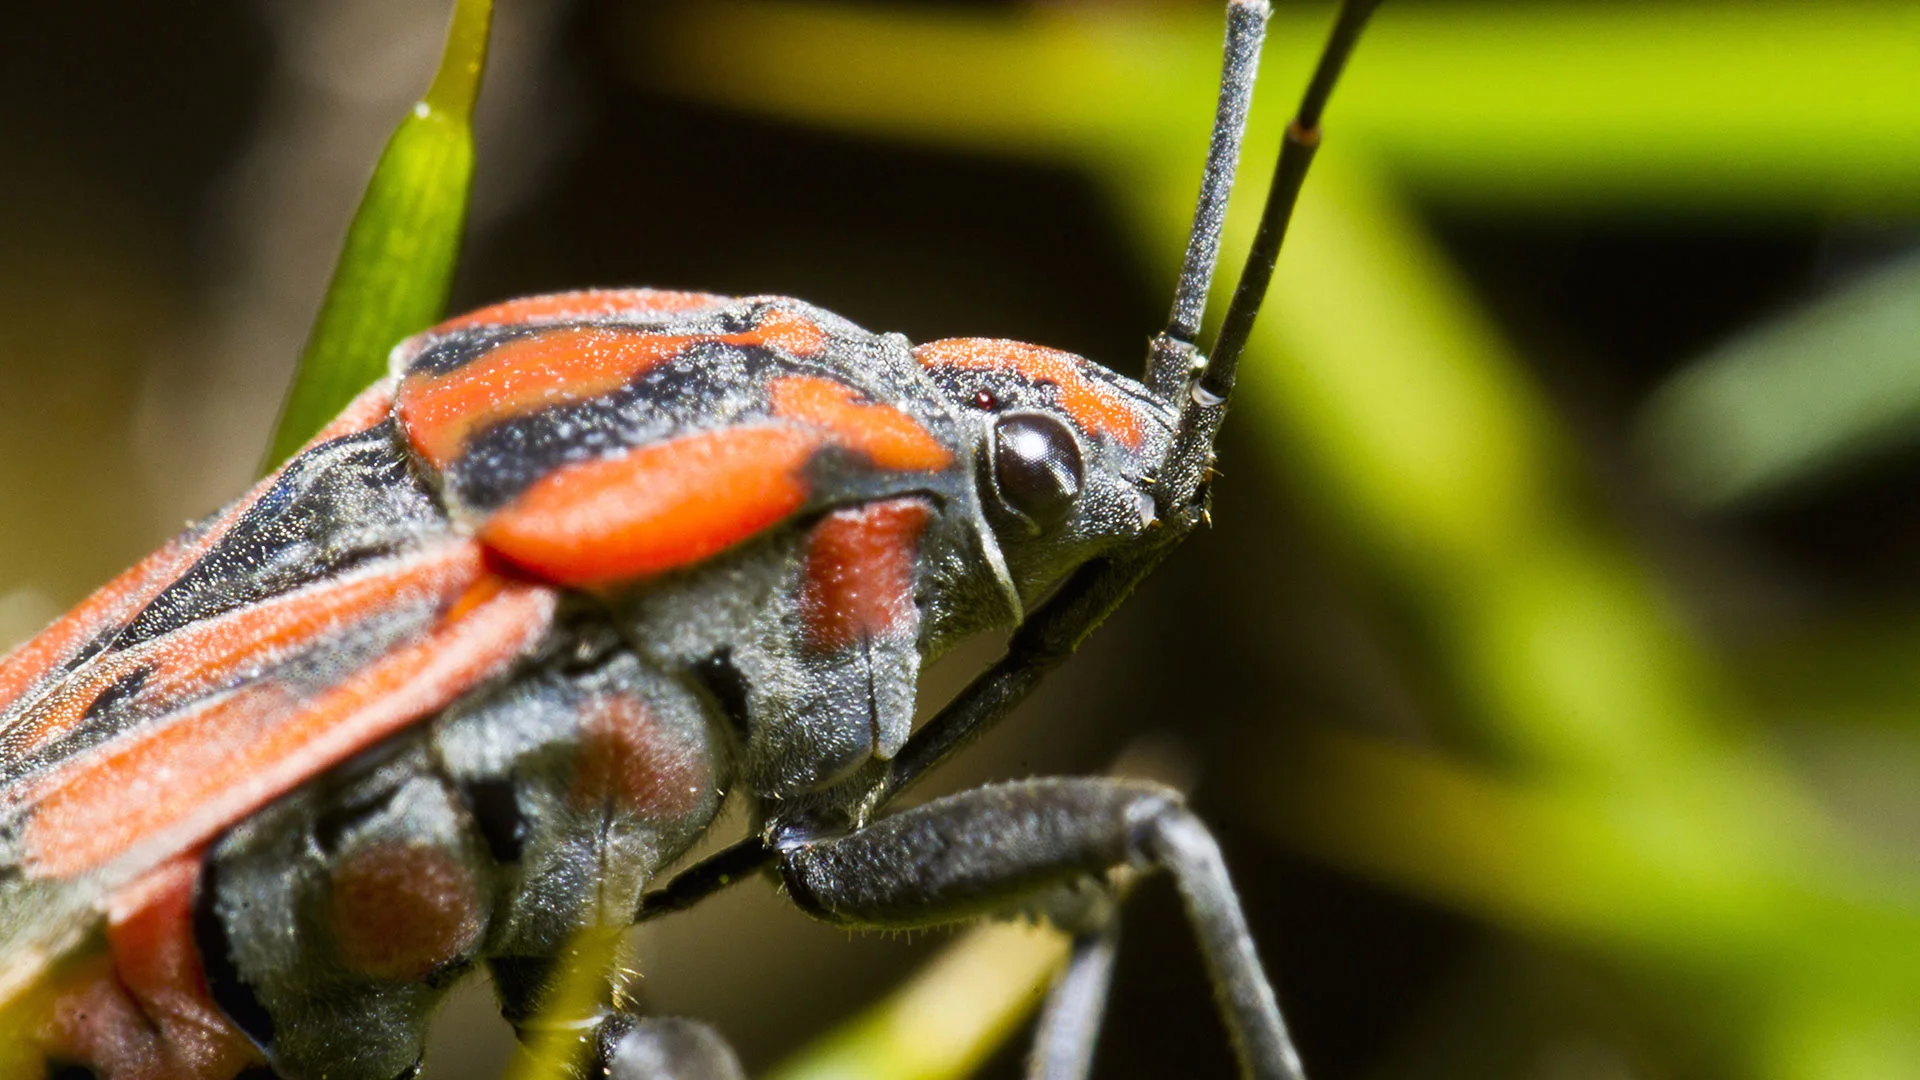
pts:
[994, 849]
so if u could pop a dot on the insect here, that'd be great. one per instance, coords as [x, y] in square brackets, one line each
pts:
[455, 684]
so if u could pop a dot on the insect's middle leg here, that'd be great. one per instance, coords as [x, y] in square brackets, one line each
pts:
[993, 849]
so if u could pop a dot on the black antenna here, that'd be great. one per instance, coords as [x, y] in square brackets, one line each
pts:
[1289, 173]
[1246, 30]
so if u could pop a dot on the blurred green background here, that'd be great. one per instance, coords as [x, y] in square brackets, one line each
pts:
[1551, 673]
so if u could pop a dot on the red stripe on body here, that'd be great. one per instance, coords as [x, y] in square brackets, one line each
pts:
[557, 367]
[115, 603]
[142, 1011]
[174, 786]
[656, 507]
[207, 654]
[112, 604]
[1095, 406]
[561, 367]
[671, 504]
[400, 911]
[627, 761]
[859, 576]
[886, 436]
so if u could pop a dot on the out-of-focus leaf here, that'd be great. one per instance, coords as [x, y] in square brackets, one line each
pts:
[1822, 389]
[398, 260]
[1721, 108]
[942, 1024]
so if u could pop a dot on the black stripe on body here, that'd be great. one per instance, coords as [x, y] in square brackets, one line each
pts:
[451, 352]
[707, 385]
[323, 663]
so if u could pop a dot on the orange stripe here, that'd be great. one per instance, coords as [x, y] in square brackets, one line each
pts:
[654, 508]
[888, 437]
[1094, 406]
[111, 603]
[561, 367]
[788, 331]
[581, 304]
[203, 655]
[125, 595]
[175, 786]
[553, 368]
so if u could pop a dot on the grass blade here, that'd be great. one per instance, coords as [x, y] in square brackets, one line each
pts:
[397, 264]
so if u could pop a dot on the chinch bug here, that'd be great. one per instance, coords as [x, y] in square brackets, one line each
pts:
[457, 681]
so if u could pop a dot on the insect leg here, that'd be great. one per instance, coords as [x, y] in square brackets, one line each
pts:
[1051, 634]
[996, 849]
[1070, 1024]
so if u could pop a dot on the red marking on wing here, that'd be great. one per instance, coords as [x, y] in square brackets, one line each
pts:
[859, 572]
[580, 305]
[111, 605]
[559, 367]
[204, 655]
[671, 504]
[119, 600]
[400, 911]
[173, 786]
[142, 1010]
[654, 508]
[627, 760]
[886, 436]
[1094, 406]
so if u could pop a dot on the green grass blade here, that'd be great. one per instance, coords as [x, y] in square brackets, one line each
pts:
[1728, 109]
[944, 1022]
[397, 263]
[1828, 388]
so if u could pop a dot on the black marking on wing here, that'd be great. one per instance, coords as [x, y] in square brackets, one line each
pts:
[336, 506]
[119, 690]
[454, 351]
[707, 385]
[92, 649]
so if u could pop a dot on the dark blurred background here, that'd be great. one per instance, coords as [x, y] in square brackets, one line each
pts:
[173, 183]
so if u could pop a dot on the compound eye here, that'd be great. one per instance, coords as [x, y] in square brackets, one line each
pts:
[1037, 469]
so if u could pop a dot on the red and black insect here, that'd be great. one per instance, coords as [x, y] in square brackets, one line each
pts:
[453, 685]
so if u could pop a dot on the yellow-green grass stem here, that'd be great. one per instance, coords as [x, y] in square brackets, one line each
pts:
[396, 266]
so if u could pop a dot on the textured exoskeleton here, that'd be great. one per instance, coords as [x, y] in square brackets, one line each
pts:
[459, 679]
[453, 686]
